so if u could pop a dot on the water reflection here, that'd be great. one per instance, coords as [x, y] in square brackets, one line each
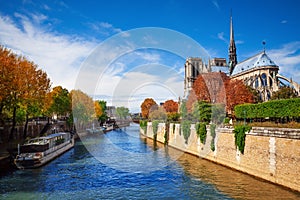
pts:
[77, 174]
[231, 182]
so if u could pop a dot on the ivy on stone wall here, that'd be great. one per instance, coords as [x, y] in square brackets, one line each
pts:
[186, 130]
[201, 131]
[240, 136]
[174, 126]
[155, 127]
[166, 136]
[213, 135]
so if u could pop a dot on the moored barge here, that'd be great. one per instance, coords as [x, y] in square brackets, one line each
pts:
[39, 151]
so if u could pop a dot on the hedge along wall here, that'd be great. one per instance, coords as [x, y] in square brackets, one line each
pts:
[272, 109]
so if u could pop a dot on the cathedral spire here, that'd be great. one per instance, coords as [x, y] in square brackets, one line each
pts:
[232, 48]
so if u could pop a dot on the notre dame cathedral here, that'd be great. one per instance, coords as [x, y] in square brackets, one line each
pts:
[259, 71]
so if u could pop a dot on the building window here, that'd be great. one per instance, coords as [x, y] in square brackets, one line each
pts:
[256, 82]
[264, 80]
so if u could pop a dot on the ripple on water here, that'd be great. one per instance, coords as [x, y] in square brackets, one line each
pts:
[79, 175]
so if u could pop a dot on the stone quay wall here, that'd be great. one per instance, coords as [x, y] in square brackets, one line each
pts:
[272, 154]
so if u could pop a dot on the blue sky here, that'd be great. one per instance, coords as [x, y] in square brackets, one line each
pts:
[59, 35]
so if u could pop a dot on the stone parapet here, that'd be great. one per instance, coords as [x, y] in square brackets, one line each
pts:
[272, 154]
[276, 132]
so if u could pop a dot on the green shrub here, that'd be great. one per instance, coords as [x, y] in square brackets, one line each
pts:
[226, 120]
[271, 109]
[240, 136]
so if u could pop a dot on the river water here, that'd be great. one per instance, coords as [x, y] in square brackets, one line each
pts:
[122, 165]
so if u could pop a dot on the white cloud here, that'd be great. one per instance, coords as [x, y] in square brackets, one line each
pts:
[130, 88]
[288, 59]
[216, 4]
[104, 28]
[58, 55]
[126, 70]
[150, 57]
[239, 42]
[284, 22]
[221, 37]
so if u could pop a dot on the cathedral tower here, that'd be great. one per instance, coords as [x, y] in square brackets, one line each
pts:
[232, 49]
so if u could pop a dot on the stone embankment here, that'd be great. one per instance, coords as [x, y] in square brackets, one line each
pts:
[272, 154]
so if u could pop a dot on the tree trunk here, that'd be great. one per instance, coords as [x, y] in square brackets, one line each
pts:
[13, 123]
[25, 127]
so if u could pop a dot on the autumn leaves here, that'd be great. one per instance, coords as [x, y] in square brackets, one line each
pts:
[215, 88]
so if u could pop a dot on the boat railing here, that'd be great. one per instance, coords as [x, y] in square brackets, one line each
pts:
[56, 147]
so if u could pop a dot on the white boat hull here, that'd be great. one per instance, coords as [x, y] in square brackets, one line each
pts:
[45, 157]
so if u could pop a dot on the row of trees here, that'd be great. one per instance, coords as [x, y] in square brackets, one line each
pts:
[213, 94]
[23, 87]
[26, 93]
[218, 88]
[151, 110]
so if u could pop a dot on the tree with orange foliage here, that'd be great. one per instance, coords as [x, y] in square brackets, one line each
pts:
[58, 102]
[7, 64]
[217, 87]
[98, 109]
[33, 89]
[170, 106]
[237, 93]
[83, 109]
[147, 106]
[23, 86]
[200, 89]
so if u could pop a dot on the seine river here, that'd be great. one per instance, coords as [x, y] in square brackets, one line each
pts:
[122, 165]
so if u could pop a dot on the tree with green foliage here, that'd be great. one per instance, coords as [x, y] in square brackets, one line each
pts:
[122, 112]
[59, 102]
[103, 117]
[284, 93]
[82, 108]
[202, 111]
[159, 114]
[173, 117]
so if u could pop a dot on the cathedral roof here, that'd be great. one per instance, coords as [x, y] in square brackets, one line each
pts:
[259, 60]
